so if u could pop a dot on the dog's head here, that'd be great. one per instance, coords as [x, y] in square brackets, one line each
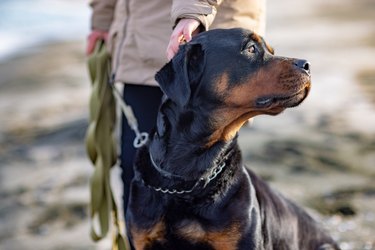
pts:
[233, 75]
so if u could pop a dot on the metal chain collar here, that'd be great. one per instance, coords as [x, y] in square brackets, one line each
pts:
[212, 174]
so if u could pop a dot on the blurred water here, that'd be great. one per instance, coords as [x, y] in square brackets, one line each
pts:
[27, 23]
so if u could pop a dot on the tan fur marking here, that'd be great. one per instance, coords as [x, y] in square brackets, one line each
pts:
[256, 38]
[222, 240]
[241, 98]
[270, 49]
[214, 138]
[144, 237]
[193, 232]
[277, 78]
[263, 82]
[226, 120]
[227, 239]
[222, 84]
[231, 130]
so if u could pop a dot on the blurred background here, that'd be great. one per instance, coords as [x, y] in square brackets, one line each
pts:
[321, 154]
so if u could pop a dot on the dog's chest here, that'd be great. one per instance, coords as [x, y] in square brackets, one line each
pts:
[187, 234]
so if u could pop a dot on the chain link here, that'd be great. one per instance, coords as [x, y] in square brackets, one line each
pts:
[213, 174]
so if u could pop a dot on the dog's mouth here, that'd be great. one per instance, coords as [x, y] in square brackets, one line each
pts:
[286, 101]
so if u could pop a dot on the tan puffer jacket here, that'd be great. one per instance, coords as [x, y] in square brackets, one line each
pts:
[139, 30]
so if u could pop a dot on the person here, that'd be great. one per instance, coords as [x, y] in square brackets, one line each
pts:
[143, 35]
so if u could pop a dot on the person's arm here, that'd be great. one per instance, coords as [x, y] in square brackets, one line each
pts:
[190, 17]
[101, 20]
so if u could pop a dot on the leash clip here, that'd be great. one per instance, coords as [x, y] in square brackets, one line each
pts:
[140, 139]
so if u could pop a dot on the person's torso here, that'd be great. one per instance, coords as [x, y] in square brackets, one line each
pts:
[141, 29]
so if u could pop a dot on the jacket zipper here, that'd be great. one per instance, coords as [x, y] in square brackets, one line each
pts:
[113, 74]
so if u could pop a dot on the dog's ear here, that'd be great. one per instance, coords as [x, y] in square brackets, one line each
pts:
[182, 73]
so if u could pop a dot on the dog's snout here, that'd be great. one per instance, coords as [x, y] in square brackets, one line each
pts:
[303, 64]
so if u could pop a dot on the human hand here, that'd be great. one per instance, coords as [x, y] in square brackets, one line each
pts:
[183, 32]
[93, 37]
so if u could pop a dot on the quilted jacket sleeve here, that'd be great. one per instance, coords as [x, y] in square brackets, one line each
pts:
[202, 10]
[102, 15]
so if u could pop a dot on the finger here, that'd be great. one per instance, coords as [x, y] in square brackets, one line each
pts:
[190, 28]
[182, 33]
[91, 41]
[170, 54]
[93, 38]
[171, 51]
[174, 43]
[90, 46]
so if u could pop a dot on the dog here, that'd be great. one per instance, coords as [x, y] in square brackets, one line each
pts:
[191, 189]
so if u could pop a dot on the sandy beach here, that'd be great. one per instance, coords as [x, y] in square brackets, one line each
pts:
[321, 154]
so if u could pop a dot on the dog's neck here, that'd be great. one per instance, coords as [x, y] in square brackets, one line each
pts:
[179, 145]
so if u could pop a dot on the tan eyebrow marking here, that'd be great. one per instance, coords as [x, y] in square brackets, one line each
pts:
[258, 39]
[269, 48]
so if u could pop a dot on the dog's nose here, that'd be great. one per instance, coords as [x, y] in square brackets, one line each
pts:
[303, 64]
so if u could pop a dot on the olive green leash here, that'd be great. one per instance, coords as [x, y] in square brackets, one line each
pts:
[101, 149]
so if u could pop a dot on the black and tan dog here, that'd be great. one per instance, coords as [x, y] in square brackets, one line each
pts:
[191, 189]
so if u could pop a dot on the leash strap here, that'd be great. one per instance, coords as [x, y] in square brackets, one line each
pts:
[101, 149]
[140, 138]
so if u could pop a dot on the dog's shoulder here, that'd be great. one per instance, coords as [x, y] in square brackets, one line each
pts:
[281, 218]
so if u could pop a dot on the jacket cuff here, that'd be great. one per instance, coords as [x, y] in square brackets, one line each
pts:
[205, 20]
[203, 12]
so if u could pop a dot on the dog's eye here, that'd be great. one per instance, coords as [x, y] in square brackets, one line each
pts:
[251, 49]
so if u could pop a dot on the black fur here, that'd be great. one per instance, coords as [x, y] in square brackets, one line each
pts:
[234, 210]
